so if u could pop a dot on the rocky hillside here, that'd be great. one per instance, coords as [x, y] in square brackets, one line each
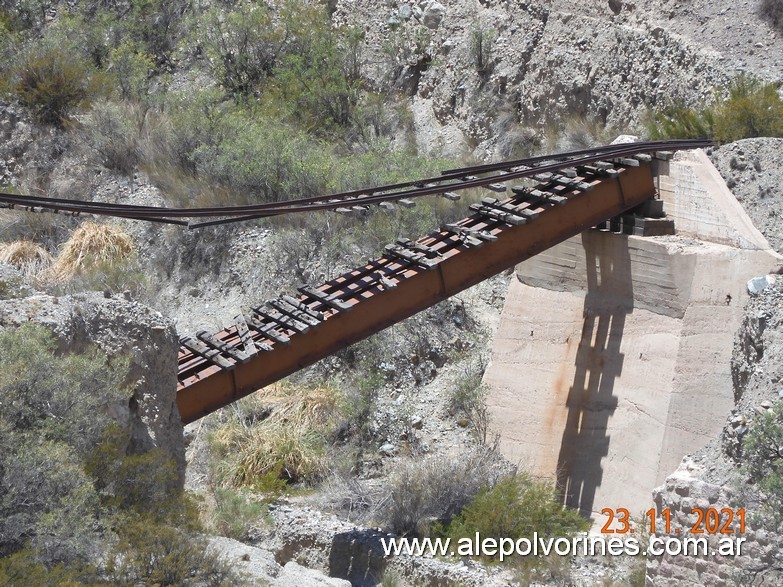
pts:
[485, 76]
[462, 80]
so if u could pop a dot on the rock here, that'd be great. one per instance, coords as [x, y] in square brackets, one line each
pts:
[417, 423]
[388, 450]
[258, 564]
[150, 417]
[12, 283]
[766, 404]
[295, 575]
[405, 12]
[759, 284]
[463, 422]
[432, 14]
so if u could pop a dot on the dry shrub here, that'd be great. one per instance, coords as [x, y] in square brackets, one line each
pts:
[419, 494]
[29, 257]
[53, 82]
[280, 431]
[90, 245]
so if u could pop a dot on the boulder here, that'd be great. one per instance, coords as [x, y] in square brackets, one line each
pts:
[759, 284]
[117, 326]
[432, 14]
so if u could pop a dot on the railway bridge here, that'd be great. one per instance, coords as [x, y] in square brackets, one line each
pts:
[563, 196]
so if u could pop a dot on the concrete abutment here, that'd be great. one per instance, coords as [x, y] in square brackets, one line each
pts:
[612, 358]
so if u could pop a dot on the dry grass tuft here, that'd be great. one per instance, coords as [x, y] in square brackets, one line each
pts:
[91, 244]
[280, 431]
[29, 257]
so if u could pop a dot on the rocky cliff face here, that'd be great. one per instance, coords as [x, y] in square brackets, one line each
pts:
[481, 73]
[117, 326]
[713, 477]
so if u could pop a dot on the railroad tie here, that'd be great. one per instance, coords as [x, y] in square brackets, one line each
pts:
[411, 256]
[294, 313]
[212, 341]
[499, 188]
[281, 319]
[267, 329]
[209, 354]
[251, 349]
[627, 161]
[332, 302]
[512, 208]
[470, 237]
[300, 305]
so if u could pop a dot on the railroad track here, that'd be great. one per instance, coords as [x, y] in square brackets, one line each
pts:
[569, 192]
[448, 182]
[580, 190]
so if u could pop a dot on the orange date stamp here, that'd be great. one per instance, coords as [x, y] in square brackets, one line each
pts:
[708, 521]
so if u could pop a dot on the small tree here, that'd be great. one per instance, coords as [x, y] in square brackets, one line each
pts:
[516, 507]
[753, 109]
[762, 449]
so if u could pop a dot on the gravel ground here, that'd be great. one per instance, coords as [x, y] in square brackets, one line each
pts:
[753, 169]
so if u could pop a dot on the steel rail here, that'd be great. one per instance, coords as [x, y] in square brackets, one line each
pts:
[629, 149]
[355, 197]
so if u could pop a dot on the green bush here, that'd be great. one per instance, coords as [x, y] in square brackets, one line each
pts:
[235, 512]
[468, 398]
[242, 47]
[265, 159]
[516, 507]
[151, 553]
[679, 121]
[318, 80]
[54, 413]
[480, 47]
[113, 134]
[68, 483]
[751, 108]
[53, 83]
[420, 495]
[761, 450]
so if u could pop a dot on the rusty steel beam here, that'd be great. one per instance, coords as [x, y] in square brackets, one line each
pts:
[417, 288]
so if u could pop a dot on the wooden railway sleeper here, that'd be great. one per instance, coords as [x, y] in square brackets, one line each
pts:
[535, 196]
[294, 312]
[268, 330]
[494, 214]
[417, 247]
[384, 281]
[208, 354]
[281, 319]
[246, 337]
[332, 302]
[210, 340]
[404, 254]
[299, 305]
[467, 236]
[511, 208]
[384, 274]
[627, 161]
